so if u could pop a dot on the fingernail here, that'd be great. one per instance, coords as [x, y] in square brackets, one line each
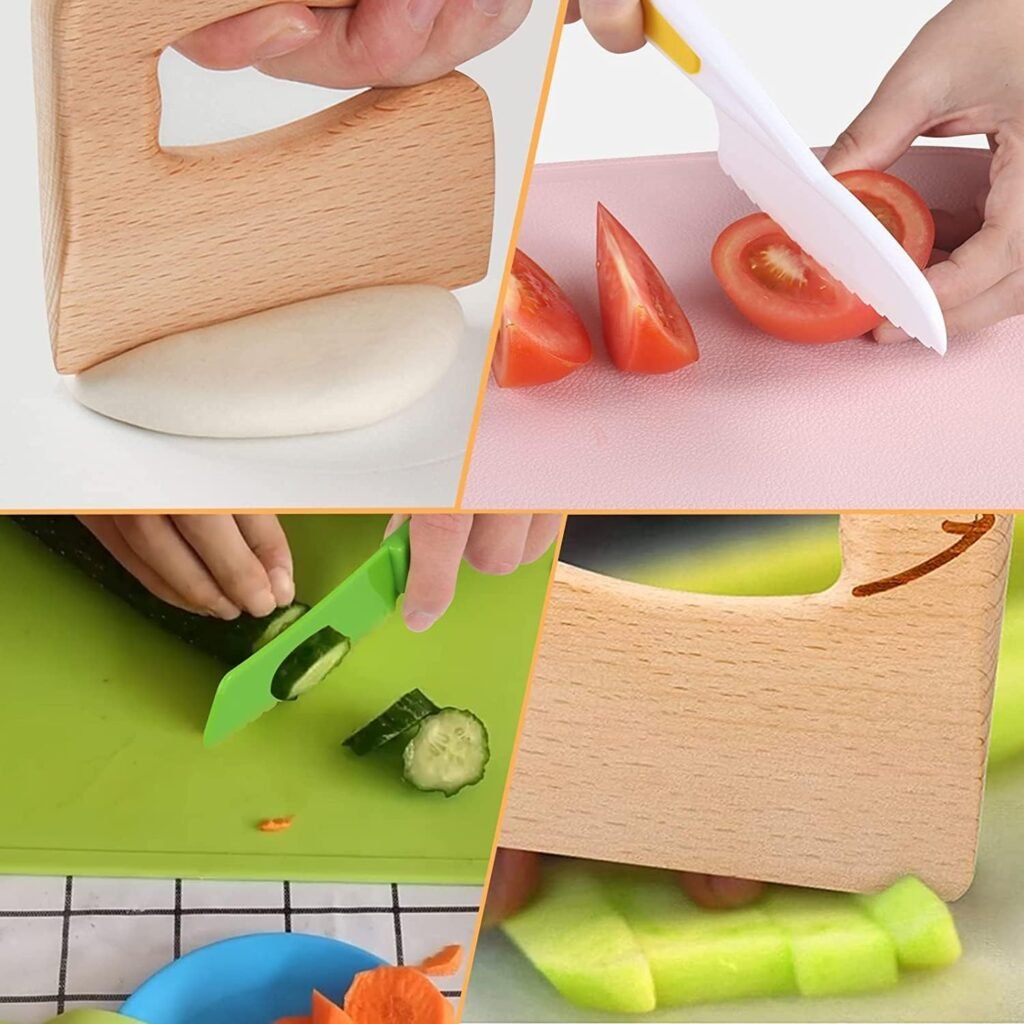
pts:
[222, 608]
[263, 603]
[283, 586]
[393, 524]
[285, 40]
[423, 13]
[492, 8]
[419, 621]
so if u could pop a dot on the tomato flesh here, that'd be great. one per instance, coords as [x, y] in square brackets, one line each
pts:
[645, 328]
[785, 293]
[542, 337]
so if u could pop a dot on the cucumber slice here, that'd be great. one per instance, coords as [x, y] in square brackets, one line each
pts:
[918, 922]
[575, 937]
[228, 642]
[697, 955]
[309, 664]
[837, 949]
[449, 752]
[404, 715]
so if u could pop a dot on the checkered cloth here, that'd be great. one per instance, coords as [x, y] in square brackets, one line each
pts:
[68, 943]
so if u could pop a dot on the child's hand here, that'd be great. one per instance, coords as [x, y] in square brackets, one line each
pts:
[214, 565]
[376, 42]
[492, 544]
[618, 25]
[516, 877]
[962, 75]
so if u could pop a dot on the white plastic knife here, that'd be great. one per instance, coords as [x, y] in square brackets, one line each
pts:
[768, 160]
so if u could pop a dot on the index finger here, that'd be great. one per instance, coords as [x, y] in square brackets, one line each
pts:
[438, 544]
[371, 44]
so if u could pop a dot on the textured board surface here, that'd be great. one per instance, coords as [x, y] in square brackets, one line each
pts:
[101, 718]
[757, 423]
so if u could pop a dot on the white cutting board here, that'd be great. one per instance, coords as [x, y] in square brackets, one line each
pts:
[57, 454]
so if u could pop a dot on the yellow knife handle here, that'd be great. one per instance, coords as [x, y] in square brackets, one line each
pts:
[668, 40]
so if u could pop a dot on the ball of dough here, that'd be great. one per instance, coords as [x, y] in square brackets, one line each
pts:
[327, 364]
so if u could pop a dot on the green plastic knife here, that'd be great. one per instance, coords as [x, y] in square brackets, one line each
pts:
[354, 608]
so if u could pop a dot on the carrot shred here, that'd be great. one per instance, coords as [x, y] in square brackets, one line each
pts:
[326, 1012]
[396, 995]
[277, 824]
[442, 964]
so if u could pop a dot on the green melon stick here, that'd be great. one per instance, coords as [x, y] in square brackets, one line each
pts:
[230, 642]
[918, 922]
[574, 936]
[796, 940]
[697, 955]
[837, 948]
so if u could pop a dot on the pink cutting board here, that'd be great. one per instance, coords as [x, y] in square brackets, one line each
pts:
[757, 423]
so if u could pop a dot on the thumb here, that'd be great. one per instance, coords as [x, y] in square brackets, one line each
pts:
[897, 114]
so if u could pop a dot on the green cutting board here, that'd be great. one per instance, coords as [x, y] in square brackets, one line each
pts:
[101, 718]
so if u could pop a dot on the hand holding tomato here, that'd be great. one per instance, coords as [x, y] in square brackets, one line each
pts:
[618, 25]
[372, 42]
[962, 75]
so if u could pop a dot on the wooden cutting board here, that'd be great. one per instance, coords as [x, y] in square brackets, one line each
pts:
[392, 186]
[835, 740]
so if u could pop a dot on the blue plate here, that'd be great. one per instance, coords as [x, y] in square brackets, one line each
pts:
[250, 980]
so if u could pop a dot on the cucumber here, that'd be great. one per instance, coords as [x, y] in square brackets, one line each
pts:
[918, 922]
[229, 642]
[310, 663]
[837, 949]
[449, 752]
[577, 939]
[698, 955]
[404, 715]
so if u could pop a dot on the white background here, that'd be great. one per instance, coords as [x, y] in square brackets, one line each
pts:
[820, 60]
[55, 454]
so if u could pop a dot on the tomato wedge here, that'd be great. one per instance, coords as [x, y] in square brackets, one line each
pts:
[542, 337]
[645, 328]
[785, 293]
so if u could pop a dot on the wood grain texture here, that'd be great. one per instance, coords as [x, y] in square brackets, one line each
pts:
[826, 740]
[392, 186]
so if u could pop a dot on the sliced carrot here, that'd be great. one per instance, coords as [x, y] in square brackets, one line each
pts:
[294, 1020]
[444, 963]
[396, 995]
[277, 824]
[326, 1012]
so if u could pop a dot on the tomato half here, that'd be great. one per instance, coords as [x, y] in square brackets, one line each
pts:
[542, 337]
[785, 293]
[645, 329]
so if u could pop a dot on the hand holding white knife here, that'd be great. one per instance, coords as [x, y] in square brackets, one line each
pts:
[765, 157]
